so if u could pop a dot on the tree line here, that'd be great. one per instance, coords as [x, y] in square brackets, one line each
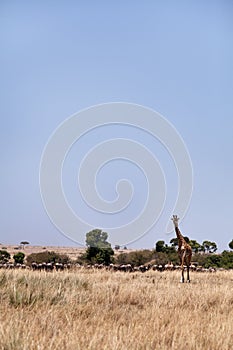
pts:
[99, 251]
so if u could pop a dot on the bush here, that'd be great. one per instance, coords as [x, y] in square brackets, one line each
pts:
[97, 255]
[164, 258]
[212, 260]
[227, 259]
[135, 258]
[47, 257]
[141, 257]
[19, 258]
[224, 260]
[4, 256]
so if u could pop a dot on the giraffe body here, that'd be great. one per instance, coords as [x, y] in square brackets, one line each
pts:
[184, 250]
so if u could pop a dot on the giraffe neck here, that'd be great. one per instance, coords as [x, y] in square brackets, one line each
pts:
[179, 235]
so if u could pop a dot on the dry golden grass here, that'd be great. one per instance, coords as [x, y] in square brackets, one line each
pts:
[113, 310]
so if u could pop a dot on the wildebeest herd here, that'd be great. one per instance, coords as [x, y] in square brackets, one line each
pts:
[112, 267]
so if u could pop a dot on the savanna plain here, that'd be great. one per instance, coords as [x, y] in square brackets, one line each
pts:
[82, 309]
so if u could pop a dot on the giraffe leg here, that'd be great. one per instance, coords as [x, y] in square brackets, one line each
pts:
[188, 279]
[182, 275]
[182, 271]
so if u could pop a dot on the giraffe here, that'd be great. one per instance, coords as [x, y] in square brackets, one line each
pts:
[184, 250]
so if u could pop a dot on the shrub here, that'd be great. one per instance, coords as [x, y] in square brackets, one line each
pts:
[97, 255]
[135, 258]
[4, 256]
[19, 258]
[47, 257]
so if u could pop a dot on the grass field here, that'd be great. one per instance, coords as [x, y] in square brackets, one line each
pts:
[114, 310]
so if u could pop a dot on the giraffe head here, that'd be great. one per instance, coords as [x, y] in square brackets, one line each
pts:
[175, 220]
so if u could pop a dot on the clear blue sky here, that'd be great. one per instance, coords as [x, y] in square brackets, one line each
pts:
[58, 57]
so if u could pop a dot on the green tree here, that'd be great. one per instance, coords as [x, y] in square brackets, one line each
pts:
[209, 247]
[19, 258]
[97, 238]
[196, 247]
[4, 256]
[202, 249]
[99, 250]
[99, 255]
[231, 244]
[174, 242]
[227, 259]
[169, 250]
[23, 243]
[160, 246]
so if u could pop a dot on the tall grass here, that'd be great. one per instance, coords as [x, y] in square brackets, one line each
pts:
[114, 310]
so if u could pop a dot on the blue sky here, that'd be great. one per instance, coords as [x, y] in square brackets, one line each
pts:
[59, 57]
